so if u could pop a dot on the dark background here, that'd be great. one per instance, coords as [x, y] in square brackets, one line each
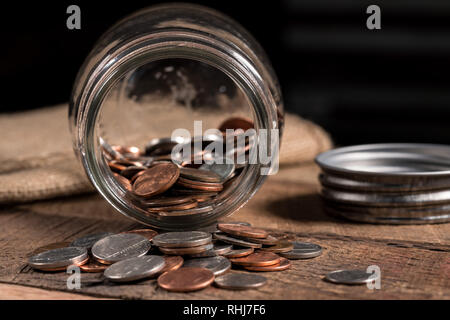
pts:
[363, 86]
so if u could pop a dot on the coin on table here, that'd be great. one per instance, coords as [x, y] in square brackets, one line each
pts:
[93, 266]
[241, 230]
[303, 250]
[218, 265]
[223, 170]
[186, 250]
[284, 264]
[238, 253]
[135, 268]
[156, 179]
[235, 241]
[351, 276]
[236, 222]
[200, 175]
[89, 240]
[259, 258]
[172, 263]
[51, 246]
[240, 281]
[269, 241]
[221, 248]
[59, 259]
[280, 246]
[186, 279]
[147, 233]
[119, 247]
[182, 239]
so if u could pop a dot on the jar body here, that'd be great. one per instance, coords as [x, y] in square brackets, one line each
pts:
[169, 67]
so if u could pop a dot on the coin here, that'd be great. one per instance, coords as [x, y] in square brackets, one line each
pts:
[93, 266]
[201, 209]
[241, 230]
[147, 233]
[124, 182]
[182, 239]
[303, 250]
[205, 186]
[156, 180]
[221, 248]
[133, 269]
[172, 263]
[218, 265]
[240, 281]
[238, 253]
[58, 259]
[204, 254]
[51, 246]
[167, 201]
[89, 240]
[269, 241]
[243, 223]
[284, 264]
[119, 247]
[237, 242]
[259, 258]
[351, 277]
[200, 175]
[224, 170]
[186, 250]
[281, 246]
[177, 207]
[131, 171]
[236, 123]
[186, 279]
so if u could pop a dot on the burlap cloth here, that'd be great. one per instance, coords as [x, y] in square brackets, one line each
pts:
[37, 160]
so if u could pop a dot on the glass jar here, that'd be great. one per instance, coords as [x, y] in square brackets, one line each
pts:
[164, 68]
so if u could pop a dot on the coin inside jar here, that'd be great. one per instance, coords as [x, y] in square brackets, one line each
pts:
[156, 180]
[241, 230]
[200, 175]
[186, 279]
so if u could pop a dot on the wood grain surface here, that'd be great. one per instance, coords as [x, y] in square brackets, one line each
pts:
[414, 260]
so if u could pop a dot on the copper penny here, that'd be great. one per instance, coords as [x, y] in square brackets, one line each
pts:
[186, 279]
[269, 241]
[203, 186]
[79, 264]
[236, 123]
[239, 253]
[172, 263]
[258, 259]
[242, 231]
[167, 201]
[156, 179]
[124, 182]
[147, 233]
[182, 206]
[127, 151]
[284, 264]
[197, 210]
[188, 250]
[200, 183]
[51, 246]
[280, 246]
[199, 175]
[116, 166]
[137, 175]
[131, 171]
[93, 266]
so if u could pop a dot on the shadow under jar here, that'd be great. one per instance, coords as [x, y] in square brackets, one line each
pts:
[163, 69]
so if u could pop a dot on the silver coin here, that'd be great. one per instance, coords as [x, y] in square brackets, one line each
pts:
[242, 223]
[346, 183]
[58, 258]
[240, 281]
[397, 220]
[235, 241]
[218, 265]
[351, 277]
[135, 268]
[204, 254]
[89, 240]
[302, 250]
[388, 200]
[392, 162]
[225, 170]
[182, 239]
[221, 248]
[119, 247]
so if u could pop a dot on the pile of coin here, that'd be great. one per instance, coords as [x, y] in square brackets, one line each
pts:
[181, 261]
[387, 183]
[161, 182]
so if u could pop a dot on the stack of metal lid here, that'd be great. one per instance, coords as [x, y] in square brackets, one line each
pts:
[387, 183]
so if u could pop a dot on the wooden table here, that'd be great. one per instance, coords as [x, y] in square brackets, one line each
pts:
[414, 260]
